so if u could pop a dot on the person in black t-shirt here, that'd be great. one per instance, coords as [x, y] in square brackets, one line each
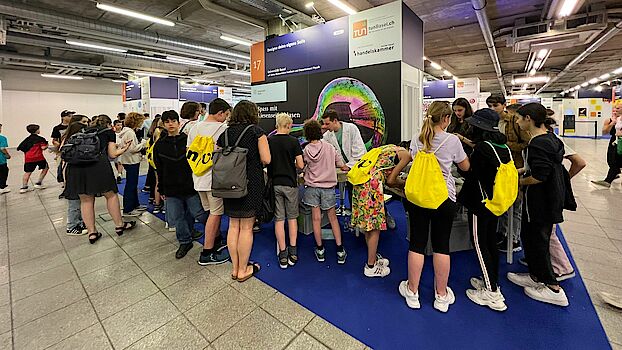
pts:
[286, 157]
[57, 134]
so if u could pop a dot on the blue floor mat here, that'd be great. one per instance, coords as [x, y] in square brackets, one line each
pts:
[372, 310]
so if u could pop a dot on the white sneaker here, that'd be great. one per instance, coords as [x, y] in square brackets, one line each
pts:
[5, 190]
[39, 186]
[412, 299]
[546, 295]
[133, 213]
[25, 190]
[376, 271]
[523, 280]
[493, 300]
[382, 261]
[478, 283]
[441, 303]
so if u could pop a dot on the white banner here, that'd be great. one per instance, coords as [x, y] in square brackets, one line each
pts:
[226, 93]
[265, 93]
[469, 89]
[375, 35]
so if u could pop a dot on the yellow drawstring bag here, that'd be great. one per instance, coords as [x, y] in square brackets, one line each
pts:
[361, 171]
[199, 154]
[505, 189]
[425, 185]
[149, 152]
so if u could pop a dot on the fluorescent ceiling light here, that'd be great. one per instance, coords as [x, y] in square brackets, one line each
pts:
[538, 64]
[604, 76]
[593, 81]
[240, 72]
[202, 80]
[567, 8]
[577, 87]
[343, 6]
[572, 89]
[532, 72]
[62, 76]
[447, 73]
[242, 82]
[585, 84]
[525, 86]
[425, 58]
[184, 60]
[531, 80]
[119, 81]
[204, 48]
[236, 40]
[542, 53]
[134, 14]
[94, 46]
[455, 77]
[309, 5]
[618, 71]
[435, 65]
[150, 74]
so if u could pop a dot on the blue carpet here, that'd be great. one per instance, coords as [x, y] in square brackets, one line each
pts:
[372, 310]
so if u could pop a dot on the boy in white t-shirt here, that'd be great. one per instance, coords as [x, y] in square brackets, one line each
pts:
[214, 246]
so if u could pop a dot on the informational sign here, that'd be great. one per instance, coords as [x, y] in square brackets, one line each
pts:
[226, 93]
[375, 35]
[316, 49]
[167, 88]
[469, 88]
[132, 91]
[265, 93]
[435, 89]
[582, 112]
[569, 124]
[198, 93]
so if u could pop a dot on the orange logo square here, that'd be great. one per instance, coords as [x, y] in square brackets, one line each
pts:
[359, 29]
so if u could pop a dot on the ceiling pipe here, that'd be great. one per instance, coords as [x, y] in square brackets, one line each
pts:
[479, 6]
[104, 30]
[223, 11]
[595, 46]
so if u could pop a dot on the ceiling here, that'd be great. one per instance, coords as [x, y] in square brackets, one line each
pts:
[37, 30]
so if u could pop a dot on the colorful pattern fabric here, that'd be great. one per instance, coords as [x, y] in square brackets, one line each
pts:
[368, 212]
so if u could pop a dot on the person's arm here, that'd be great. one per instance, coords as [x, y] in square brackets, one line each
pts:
[393, 179]
[540, 165]
[607, 125]
[300, 163]
[526, 181]
[464, 165]
[465, 140]
[576, 164]
[358, 146]
[264, 150]
[6, 153]
[114, 150]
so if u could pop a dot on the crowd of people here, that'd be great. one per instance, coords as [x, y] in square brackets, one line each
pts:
[466, 144]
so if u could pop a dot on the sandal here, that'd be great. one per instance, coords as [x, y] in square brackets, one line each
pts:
[128, 225]
[234, 277]
[256, 269]
[94, 237]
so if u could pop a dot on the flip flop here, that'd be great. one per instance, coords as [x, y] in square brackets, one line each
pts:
[256, 269]
[611, 299]
[234, 277]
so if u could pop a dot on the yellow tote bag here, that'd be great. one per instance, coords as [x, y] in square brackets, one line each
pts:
[149, 152]
[361, 171]
[200, 153]
[425, 185]
[505, 189]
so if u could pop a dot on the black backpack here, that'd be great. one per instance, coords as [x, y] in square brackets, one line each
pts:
[229, 169]
[82, 147]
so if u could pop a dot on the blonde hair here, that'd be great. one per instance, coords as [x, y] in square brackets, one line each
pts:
[436, 112]
[283, 120]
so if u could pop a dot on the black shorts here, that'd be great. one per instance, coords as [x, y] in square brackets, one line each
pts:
[30, 167]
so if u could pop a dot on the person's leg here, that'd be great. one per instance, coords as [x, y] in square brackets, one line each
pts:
[233, 236]
[59, 172]
[482, 231]
[441, 225]
[328, 201]
[419, 221]
[518, 216]
[26, 179]
[279, 216]
[493, 267]
[538, 238]
[334, 225]
[316, 217]
[372, 238]
[4, 175]
[74, 215]
[87, 206]
[130, 192]
[178, 217]
[245, 246]
[44, 172]
[559, 259]
[114, 208]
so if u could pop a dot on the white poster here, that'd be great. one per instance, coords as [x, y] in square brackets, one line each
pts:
[375, 35]
[469, 88]
[226, 93]
[265, 93]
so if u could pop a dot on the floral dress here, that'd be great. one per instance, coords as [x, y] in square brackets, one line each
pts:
[368, 212]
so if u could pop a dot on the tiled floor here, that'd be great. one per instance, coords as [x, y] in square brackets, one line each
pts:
[60, 292]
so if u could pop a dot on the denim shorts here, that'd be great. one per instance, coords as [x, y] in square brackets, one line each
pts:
[285, 203]
[324, 198]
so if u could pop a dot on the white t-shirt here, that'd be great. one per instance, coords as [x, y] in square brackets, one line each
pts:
[204, 128]
[449, 153]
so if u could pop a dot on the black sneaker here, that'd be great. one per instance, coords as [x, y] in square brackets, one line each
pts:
[283, 261]
[183, 250]
[319, 254]
[157, 209]
[146, 189]
[341, 257]
[292, 256]
[197, 234]
[219, 244]
[503, 246]
[215, 258]
[76, 231]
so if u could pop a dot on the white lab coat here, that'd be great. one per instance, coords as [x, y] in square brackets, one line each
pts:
[353, 145]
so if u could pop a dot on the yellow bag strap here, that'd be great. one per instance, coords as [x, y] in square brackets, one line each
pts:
[437, 148]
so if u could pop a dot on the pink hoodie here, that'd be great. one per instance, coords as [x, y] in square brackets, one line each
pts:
[321, 160]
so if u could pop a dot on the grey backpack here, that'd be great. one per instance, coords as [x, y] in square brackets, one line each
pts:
[229, 169]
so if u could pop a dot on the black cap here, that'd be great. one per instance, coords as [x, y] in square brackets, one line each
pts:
[485, 119]
[66, 113]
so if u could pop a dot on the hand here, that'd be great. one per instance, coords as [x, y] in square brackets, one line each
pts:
[163, 197]
[345, 168]
[127, 144]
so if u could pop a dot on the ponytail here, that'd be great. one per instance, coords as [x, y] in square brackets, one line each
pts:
[436, 112]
